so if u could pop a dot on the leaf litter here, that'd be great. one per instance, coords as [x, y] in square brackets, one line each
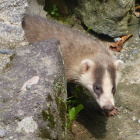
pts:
[118, 46]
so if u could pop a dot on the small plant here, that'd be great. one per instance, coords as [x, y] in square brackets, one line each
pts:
[89, 28]
[54, 10]
[74, 105]
[73, 113]
[79, 90]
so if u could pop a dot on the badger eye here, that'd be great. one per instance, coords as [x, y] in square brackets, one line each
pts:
[97, 89]
[114, 89]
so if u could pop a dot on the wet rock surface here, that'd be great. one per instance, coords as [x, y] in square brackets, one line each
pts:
[108, 17]
[33, 95]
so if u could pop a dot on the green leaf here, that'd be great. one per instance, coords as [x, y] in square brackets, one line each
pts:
[72, 114]
[55, 8]
[89, 28]
[78, 109]
[52, 12]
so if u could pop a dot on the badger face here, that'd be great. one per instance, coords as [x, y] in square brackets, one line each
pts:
[101, 80]
[104, 86]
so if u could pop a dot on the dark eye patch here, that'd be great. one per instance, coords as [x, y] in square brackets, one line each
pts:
[98, 76]
[114, 89]
[112, 71]
[97, 89]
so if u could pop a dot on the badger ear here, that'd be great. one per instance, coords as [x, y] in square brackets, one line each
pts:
[86, 65]
[119, 65]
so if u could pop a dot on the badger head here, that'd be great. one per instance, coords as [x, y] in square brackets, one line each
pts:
[101, 78]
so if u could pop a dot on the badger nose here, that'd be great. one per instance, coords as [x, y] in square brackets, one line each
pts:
[108, 107]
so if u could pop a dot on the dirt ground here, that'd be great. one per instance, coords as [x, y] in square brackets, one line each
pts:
[126, 125]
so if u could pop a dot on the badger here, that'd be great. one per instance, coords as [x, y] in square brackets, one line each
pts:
[86, 61]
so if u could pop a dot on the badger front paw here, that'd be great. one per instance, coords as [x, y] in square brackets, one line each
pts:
[113, 112]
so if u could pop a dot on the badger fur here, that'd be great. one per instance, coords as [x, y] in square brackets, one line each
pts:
[86, 61]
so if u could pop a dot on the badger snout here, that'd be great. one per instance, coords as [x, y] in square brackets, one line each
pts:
[108, 107]
[106, 104]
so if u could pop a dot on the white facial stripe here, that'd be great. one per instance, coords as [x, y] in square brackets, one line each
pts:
[106, 83]
[107, 95]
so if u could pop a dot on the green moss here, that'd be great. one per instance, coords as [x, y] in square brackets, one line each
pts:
[12, 57]
[62, 111]
[48, 116]
[6, 100]
[45, 134]
[60, 90]
[7, 67]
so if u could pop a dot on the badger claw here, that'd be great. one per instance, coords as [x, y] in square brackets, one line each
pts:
[113, 112]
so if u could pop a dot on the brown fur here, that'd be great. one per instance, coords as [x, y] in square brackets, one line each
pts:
[76, 46]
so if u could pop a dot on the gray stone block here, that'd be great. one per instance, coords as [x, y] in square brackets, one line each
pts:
[38, 111]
